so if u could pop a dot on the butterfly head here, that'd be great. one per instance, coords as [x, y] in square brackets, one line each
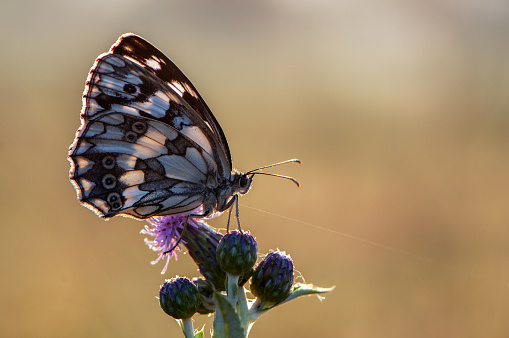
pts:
[244, 183]
[240, 182]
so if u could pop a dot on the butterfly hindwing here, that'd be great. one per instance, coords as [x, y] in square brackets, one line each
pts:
[138, 167]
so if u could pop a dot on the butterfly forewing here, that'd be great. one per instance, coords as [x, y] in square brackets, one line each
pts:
[148, 144]
[137, 49]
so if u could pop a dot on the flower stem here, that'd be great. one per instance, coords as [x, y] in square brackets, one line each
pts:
[255, 311]
[233, 288]
[243, 310]
[187, 326]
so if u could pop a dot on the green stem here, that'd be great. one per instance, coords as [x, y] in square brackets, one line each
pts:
[255, 311]
[242, 309]
[233, 288]
[187, 326]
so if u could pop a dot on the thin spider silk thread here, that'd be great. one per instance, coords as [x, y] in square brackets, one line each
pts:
[374, 244]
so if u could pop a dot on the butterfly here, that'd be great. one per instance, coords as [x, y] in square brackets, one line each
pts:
[148, 145]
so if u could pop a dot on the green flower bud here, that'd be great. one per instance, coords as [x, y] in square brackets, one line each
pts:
[272, 279]
[236, 252]
[202, 242]
[206, 295]
[179, 298]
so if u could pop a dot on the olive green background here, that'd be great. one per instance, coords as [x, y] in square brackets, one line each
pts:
[399, 111]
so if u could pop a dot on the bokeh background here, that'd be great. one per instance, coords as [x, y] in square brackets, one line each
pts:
[398, 109]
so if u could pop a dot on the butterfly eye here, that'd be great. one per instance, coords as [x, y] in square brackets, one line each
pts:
[131, 136]
[113, 200]
[129, 88]
[244, 183]
[139, 127]
[109, 181]
[108, 162]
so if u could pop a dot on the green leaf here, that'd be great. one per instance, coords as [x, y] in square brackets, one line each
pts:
[299, 290]
[226, 322]
[199, 334]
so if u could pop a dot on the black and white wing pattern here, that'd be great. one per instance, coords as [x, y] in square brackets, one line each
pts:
[148, 144]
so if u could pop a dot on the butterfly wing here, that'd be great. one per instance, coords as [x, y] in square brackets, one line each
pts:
[140, 51]
[143, 148]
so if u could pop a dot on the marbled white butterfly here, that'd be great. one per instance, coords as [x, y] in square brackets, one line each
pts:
[148, 145]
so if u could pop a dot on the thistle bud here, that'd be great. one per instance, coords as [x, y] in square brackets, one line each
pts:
[236, 252]
[179, 298]
[272, 279]
[202, 241]
[206, 295]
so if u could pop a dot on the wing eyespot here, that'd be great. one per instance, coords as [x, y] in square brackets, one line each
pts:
[109, 181]
[114, 201]
[108, 162]
[139, 127]
[131, 136]
[130, 88]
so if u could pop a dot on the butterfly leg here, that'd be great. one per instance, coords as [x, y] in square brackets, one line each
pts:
[181, 235]
[237, 211]
[233, 204]
[229, 217]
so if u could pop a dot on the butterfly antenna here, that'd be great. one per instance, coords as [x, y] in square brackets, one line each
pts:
[275, 164]
[294, 160]
[282, 176]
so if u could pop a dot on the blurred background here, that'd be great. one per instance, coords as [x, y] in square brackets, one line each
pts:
[398, 109]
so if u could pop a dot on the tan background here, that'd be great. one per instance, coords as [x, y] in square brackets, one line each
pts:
[398, 109]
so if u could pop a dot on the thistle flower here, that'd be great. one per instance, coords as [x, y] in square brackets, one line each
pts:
[166, 231]
[236, 252]
[273, 278]
[202, 241]
[179, 298]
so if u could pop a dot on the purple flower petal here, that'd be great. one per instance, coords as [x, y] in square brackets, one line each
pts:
[166, 232]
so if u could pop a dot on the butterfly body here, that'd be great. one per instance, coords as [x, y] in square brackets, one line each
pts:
[148, 144]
